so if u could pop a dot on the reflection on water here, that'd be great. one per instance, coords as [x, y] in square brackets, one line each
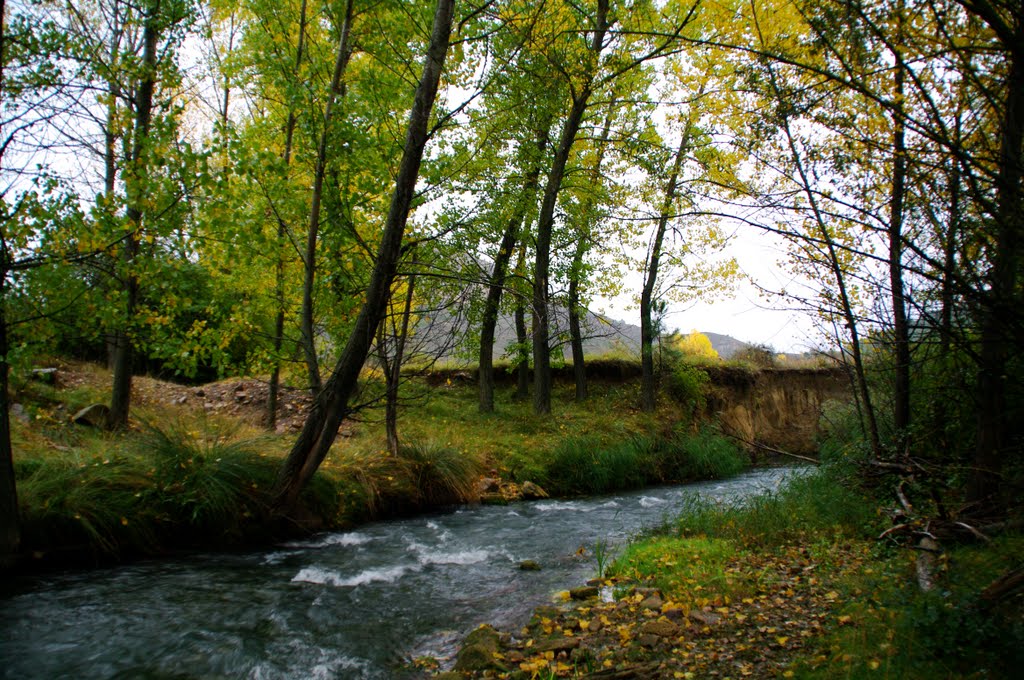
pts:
[342, 605]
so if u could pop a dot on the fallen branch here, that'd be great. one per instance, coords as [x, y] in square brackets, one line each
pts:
[771, 449]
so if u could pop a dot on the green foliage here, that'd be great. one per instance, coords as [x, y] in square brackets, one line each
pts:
[758, 356]
[704, 455]
[687, 385]
[586, 465]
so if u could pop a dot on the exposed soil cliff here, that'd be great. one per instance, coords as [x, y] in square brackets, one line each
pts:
[774, 407]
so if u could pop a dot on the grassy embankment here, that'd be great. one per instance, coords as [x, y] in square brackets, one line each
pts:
[791, 584]
[181, 478]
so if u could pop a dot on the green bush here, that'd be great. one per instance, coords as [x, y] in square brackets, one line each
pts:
[688, 385]
[705, 455]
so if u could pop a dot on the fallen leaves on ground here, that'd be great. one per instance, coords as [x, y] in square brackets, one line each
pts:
[773, 609]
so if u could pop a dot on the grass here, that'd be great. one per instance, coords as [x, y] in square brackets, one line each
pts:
[880, 624]
[180, 478]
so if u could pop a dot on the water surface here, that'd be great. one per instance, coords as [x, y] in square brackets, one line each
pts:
[342, 605]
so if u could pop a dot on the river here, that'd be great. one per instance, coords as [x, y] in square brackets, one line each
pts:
[353, 604]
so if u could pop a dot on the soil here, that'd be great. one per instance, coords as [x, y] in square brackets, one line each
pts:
[244, 399]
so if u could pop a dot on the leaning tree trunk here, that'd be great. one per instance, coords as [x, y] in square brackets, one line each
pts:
[316, 199]
[122, 360]
[522, 392]
[331, 405]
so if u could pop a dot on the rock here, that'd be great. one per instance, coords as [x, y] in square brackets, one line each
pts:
[448, 675]
[652, 602]
[661, 628]
[584, 592]
[200, 392]
[595, 625]
[532, 491]
[493, 499]
[182, 399]
[488, 485]
[94, 416]
[529, 565]
[707, 618]
[478, 649]
[563, 644]
[648, 640]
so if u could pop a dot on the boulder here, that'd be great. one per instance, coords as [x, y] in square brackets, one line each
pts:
[661, 628]
[529, 565]
[94, 416]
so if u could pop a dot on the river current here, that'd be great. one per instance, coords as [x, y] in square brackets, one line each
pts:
[354, 604]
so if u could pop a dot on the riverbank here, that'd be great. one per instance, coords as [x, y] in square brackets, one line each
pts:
[793, 584]
[195, 469]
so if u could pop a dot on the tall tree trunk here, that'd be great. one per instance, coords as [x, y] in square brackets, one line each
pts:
[1003, 301]
[394, 370]
[648, 387]
[307, 321]
[579, 366]
[584, 239]
[496, 285]
[279, 281]
[120, 399]
[331, 405]
[546, 221]
[900, 331]
[522, 392]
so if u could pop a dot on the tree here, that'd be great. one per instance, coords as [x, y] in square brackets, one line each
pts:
[331, 404]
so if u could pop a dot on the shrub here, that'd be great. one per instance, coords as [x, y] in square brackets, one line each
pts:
[688, 384]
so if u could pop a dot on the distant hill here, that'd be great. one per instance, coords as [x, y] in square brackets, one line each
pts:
[603, 335]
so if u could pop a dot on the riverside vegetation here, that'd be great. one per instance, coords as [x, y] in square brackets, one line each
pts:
[793, 584]
[181, 477]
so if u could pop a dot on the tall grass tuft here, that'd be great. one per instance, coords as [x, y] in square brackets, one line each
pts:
[585, 465]
[705, 455]
[73, 504]
[441, 475]
[207, 479]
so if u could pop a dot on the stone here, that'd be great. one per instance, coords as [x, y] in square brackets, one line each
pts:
[488, 485]
[200, 392]
[595, 625]
[707, 618]
[648, 640]
[493, 499]
[94, 415]
[532, 491]
[478, 649]
[529, 565]
[661, 628]
[652, 602]
[563, 644]
[584, 592]
[182, 399]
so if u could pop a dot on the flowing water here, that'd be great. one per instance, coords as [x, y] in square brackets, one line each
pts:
[342, 605]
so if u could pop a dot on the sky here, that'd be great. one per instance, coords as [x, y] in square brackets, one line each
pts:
[747, 315]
